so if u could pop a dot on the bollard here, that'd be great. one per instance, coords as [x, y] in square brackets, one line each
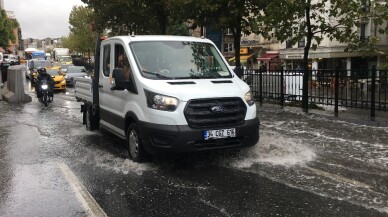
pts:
[13, 89]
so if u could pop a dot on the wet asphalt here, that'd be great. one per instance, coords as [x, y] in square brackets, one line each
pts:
[303, 165]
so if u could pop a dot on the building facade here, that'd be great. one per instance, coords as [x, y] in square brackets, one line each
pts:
[329, 53]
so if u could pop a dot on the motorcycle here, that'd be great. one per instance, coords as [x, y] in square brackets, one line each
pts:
[45, 90]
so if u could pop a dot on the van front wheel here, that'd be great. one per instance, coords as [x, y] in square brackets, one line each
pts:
[134, 144]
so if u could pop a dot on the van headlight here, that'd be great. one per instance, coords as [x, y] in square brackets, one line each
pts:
[249, 99]
[161, 102]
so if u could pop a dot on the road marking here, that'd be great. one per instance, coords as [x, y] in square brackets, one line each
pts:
[82, 193]
[340, 178]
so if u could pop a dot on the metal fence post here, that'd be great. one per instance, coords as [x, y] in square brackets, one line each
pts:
[261, 87]
[282, 87]
[373, 94]
[336, 91]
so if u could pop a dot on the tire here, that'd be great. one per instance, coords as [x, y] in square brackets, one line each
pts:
[134, 144]
[89, 119]
[45, 99]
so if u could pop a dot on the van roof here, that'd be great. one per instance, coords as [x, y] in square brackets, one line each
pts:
[160, 38]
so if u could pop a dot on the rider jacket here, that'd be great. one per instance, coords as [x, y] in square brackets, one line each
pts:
[50, 81]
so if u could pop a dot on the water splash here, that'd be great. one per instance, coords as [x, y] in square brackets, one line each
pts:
[276, 149]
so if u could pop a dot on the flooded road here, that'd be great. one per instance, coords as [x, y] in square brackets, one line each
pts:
[303, 165]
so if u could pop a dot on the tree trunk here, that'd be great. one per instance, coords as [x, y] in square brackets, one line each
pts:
[237, 45]
[306, 73]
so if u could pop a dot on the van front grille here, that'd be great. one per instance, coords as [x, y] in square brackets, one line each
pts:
[212, 113]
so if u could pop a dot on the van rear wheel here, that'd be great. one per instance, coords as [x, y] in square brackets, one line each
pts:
[89, 119]
[134, 144]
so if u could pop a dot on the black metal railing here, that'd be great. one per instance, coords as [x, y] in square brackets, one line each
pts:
[363, 89]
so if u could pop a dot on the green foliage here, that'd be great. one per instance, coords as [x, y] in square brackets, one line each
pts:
[383, 66]
[122, 17]
[6, 29]
[240, 16]
[293, 20]
[178, 29]
[81, 38]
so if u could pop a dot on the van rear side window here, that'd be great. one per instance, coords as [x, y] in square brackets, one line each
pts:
[106, 60]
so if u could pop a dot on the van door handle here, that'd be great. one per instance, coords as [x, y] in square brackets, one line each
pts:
[100, 86]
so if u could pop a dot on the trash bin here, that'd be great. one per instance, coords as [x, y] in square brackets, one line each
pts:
[4, 68]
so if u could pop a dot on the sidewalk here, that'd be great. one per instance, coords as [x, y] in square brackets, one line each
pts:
[357, 116]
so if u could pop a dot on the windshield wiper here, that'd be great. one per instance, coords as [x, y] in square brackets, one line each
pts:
[197, 76]
[157, 75]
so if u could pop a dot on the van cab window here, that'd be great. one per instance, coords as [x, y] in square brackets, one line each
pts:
[106, 60]
[179, 60]
[121, 61]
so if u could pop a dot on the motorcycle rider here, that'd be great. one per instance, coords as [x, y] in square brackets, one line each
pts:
[42, 74]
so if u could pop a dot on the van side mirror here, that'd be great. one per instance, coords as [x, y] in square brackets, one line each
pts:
[120, 83]
[118, 79]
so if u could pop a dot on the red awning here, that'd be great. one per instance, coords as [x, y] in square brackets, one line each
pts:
[268, 56]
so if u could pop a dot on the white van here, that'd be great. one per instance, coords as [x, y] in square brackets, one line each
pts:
[169, 94]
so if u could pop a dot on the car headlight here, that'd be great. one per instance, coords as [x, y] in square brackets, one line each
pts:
[44, 87]
[161, 102]
[249, 99]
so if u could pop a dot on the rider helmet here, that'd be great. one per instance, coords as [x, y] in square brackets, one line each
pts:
[42, 70]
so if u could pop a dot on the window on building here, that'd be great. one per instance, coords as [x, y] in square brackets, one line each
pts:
[365, 5]
[229, 31]
[363, 37]
[288, 44]
[301, 43]
[228, 47]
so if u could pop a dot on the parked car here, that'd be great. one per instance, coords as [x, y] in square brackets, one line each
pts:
[59, 79]
[11, 59]
[63, 66]
[74, 71]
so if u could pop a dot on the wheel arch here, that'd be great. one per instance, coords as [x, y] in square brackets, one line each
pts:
[130, 117]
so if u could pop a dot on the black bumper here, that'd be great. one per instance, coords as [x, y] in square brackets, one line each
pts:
[166, 138]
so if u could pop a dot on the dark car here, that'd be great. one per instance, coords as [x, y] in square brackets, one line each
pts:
[74, 71]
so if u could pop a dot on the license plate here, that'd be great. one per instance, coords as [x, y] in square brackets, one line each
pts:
[219, 134]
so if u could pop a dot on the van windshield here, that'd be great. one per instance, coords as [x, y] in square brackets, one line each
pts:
[179, 60]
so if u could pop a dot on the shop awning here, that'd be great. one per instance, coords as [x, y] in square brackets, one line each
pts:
[268, 56]
[243, 58]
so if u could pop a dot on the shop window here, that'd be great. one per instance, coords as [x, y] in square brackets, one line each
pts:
[301, 43]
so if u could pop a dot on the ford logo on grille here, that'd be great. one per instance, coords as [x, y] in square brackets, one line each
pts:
[218, 109]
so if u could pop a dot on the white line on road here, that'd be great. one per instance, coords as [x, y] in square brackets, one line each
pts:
[340, 178]
[82, 193]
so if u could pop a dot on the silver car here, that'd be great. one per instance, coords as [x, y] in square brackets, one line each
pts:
[74, 71]
[34, 64]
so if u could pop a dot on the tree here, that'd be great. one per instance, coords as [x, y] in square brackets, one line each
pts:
[294, 20]
[240, 16]
[124, 17]
[81, 38]
[6, 29]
